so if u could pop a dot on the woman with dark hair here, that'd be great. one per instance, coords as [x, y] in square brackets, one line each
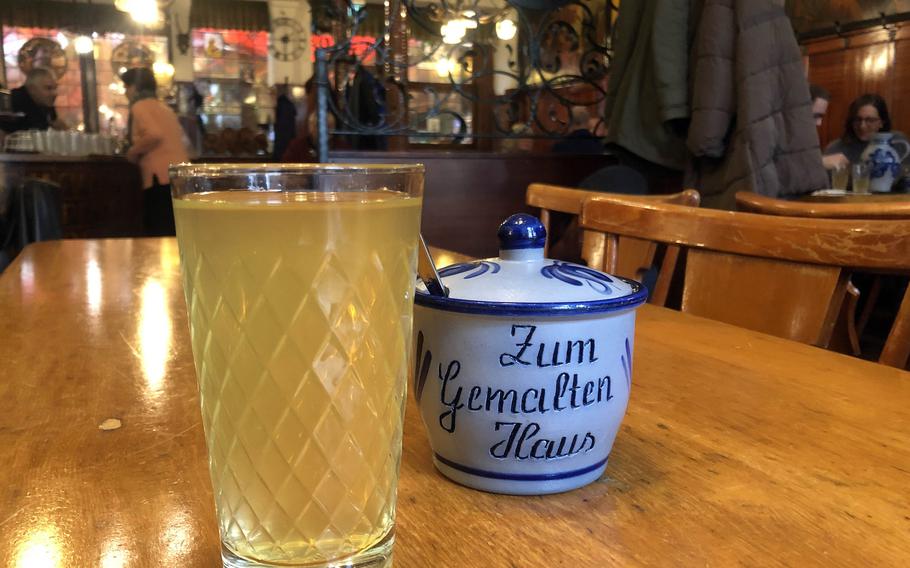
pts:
[156, 141]
[866, 116]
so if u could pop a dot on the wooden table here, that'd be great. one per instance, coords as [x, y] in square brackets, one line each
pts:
[854, 198]
[738, 448]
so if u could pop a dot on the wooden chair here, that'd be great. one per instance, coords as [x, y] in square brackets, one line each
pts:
[783, 276]
[855, 323]
[755, 203]
[638, 255]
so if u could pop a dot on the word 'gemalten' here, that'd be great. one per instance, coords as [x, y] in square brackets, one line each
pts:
[567, 392]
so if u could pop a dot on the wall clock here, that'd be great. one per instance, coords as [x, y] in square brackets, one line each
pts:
[42, 52]
[287, 39]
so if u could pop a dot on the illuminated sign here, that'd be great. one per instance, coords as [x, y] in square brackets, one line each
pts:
[361, 47]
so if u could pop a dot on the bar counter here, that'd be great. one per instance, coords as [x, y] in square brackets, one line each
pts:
[468, 194]
[738, 448]
[101, 196]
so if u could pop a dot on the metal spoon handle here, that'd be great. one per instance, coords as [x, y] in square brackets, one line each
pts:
[426, 271]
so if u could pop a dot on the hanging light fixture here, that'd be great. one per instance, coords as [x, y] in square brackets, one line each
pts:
[144, 12]
[467, 23]
[452, 32]
[83, 45]
[506, 29]
[163, 69]
[444, 66]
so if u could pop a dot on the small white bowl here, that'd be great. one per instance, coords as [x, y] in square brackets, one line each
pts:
[523, 372]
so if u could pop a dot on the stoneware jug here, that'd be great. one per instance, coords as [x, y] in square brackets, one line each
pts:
[884, 156]
[522, 373]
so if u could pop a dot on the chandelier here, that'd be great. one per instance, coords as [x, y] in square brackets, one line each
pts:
[456, 19]
[143, 12]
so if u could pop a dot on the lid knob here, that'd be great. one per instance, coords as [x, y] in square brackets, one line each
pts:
[522, 235]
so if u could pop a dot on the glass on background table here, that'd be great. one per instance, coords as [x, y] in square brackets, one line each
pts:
[299, 288]
[859, 173]
[840, 178]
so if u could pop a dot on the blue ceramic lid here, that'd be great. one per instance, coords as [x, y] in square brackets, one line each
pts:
[522, 282]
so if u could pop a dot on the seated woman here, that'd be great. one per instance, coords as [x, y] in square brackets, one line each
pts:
[866, 116]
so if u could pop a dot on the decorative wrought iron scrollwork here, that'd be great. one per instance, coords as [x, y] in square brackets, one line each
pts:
[539, 84]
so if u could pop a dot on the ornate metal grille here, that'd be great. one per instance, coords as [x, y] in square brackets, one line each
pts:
[540, 83]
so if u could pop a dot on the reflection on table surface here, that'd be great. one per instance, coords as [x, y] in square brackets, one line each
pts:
[737, 447]
[443, 258]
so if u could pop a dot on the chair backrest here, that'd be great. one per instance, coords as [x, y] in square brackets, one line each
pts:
[783, 276]
[755, 203]
[897, 345]
[637, 255]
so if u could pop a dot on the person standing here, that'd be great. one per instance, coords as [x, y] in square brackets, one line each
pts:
[285, 122]
[156, 141]
[35, 100]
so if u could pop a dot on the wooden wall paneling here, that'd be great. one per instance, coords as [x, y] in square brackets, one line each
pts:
[855, 40]
[873, 64]
[829, 70]
[900, 76]
[100, 196]
[870, 61]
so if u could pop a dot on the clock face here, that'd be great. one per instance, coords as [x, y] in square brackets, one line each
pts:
[129, 54]
[42, 52]
[287, 39]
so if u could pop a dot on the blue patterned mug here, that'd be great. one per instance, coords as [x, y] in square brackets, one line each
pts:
[523, 372]
[884, 160]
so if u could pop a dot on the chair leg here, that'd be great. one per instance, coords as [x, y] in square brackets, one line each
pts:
[897, 346]
[853, 331]
[592, 249]
[611, 243]
[545, 221]
[665, 276]
[835, 308]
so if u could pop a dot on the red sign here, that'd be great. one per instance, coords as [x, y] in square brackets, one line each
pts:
[361, 47]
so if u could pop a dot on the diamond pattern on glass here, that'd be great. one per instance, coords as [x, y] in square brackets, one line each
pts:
[297, 447]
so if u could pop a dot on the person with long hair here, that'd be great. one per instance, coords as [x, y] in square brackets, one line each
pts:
[867, 115]
[156, 141]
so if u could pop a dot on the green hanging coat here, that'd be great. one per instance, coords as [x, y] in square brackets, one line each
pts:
[647, 97]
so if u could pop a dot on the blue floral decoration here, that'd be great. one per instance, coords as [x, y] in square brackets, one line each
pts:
[881, 161]
[422, 369]
[578, 276]
[474, 269]
[627, 364]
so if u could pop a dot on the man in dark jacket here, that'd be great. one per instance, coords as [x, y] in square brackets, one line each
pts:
[35, 100]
